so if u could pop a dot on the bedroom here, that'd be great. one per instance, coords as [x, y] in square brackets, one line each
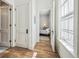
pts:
[45, 23]
[44, 10]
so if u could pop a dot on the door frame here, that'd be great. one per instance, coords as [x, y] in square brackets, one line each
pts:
[53, 28]
[52, 18]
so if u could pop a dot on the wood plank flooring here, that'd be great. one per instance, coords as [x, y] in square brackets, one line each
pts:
[17, 52]
[43, 49]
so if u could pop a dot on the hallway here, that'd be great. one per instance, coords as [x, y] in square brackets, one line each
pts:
[25, 27]
[42, 48]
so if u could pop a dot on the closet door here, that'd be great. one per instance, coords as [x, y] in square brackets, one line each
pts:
[5, 26]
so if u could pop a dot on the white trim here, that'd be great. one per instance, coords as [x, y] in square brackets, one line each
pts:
[68, 31]
[76, 12]
[69, 48]
[76, 36]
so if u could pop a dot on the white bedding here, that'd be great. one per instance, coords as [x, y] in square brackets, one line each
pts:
[47, 31]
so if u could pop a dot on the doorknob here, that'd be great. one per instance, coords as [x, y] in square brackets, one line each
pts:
[52, 31]
[26, 31]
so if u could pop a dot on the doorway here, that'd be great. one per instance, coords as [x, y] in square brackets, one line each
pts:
[5, 25]
[44, 25]
[47, 5]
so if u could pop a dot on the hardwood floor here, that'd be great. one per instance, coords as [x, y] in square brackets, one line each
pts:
[43, 49]
[17, 52]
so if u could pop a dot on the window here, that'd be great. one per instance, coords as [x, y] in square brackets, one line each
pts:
[67, 21]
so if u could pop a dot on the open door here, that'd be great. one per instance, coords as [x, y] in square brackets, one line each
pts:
[22, 25]
[52, 21]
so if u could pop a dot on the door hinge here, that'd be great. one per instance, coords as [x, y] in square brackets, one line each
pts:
[15, 40]
[10, 9]
[10, 25]
[15, 25]
[26, 31]
[10, 41]
[15, 9]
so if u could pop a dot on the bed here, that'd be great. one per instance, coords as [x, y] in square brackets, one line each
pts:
[45, 31]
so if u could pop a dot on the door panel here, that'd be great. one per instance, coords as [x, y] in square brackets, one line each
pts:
[53, 38]
[21, 24]
[5, 26]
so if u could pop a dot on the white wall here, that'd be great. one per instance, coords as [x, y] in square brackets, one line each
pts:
[44, 19]
[19, 2]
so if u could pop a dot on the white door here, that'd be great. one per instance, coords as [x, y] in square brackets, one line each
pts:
[22, 26]
[5, 26]
[52, 21]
